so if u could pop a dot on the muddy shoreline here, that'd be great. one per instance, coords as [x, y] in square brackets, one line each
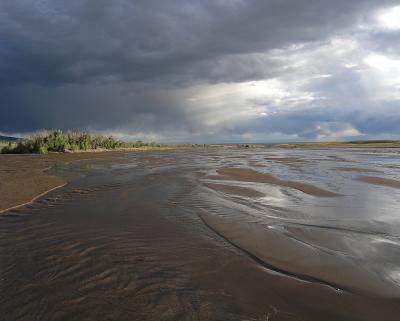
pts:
[152, 236]
[26, 177]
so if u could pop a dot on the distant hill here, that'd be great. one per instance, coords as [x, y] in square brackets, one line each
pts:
[8, 139]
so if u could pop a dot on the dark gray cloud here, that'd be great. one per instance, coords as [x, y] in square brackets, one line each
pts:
[56, 42]
[164, 67]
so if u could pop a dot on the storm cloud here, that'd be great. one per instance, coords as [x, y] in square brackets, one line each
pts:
[222, 70]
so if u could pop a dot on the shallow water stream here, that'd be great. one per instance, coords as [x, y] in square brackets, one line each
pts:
[165, 236]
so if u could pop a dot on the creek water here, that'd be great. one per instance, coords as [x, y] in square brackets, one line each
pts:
[165, 236]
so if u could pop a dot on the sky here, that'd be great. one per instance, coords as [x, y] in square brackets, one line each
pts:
[202, 71]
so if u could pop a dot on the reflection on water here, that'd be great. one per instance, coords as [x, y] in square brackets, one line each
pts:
[361, 203]
[356, 233]
[165, 236]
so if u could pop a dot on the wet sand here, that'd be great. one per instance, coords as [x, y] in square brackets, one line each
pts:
[299, 259]
[147, 237]
[289, 161]
[249, 175]
[236, 190]
[24, 177]
[285, 159]
[380, 181]
[357, 170]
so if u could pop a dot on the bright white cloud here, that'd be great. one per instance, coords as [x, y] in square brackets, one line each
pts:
[383, 63]
[335, 130]
[384, 76]
[389, 18]
[343, 72]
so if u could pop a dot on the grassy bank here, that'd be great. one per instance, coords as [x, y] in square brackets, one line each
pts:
[57, 141]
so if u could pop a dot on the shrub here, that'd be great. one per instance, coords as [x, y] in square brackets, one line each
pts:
[56, 141]
[44, 142]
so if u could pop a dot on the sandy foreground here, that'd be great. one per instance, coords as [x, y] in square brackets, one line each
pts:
[199, 235]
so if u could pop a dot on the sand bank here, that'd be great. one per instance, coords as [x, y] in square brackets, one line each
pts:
[285, 159]
[249, 175]
[356, 170]
[23, 177]
[283, 252]
[379, 181]
[236, 190]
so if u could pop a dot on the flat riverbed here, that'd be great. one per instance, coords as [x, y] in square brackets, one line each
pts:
[209, 234]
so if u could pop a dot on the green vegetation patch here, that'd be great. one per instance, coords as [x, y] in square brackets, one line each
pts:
[56, 141]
